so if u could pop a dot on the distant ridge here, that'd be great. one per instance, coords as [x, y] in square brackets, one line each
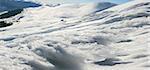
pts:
[8, 5]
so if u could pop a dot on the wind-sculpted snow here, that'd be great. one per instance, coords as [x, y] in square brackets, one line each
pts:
[10, 8]
[64, 39]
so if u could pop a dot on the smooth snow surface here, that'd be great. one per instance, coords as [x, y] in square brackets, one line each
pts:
[78, 37]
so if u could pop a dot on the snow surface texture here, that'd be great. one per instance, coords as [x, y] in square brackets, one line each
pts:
[78, 37]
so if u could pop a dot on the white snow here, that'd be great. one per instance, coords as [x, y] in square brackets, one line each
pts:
[78, 37]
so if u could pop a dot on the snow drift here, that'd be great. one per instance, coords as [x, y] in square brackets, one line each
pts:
[86, 37]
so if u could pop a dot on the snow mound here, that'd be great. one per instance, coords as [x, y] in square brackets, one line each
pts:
[75, 10]
[57, 38]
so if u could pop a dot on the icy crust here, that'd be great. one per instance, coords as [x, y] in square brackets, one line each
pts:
[105, 40]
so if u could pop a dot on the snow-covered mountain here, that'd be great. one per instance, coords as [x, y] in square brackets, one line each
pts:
[77, 37]
[8, 5]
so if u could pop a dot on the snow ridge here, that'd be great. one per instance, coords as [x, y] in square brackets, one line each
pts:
[83, 38]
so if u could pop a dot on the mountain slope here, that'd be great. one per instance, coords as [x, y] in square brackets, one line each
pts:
[8, 5]
[116, 38]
